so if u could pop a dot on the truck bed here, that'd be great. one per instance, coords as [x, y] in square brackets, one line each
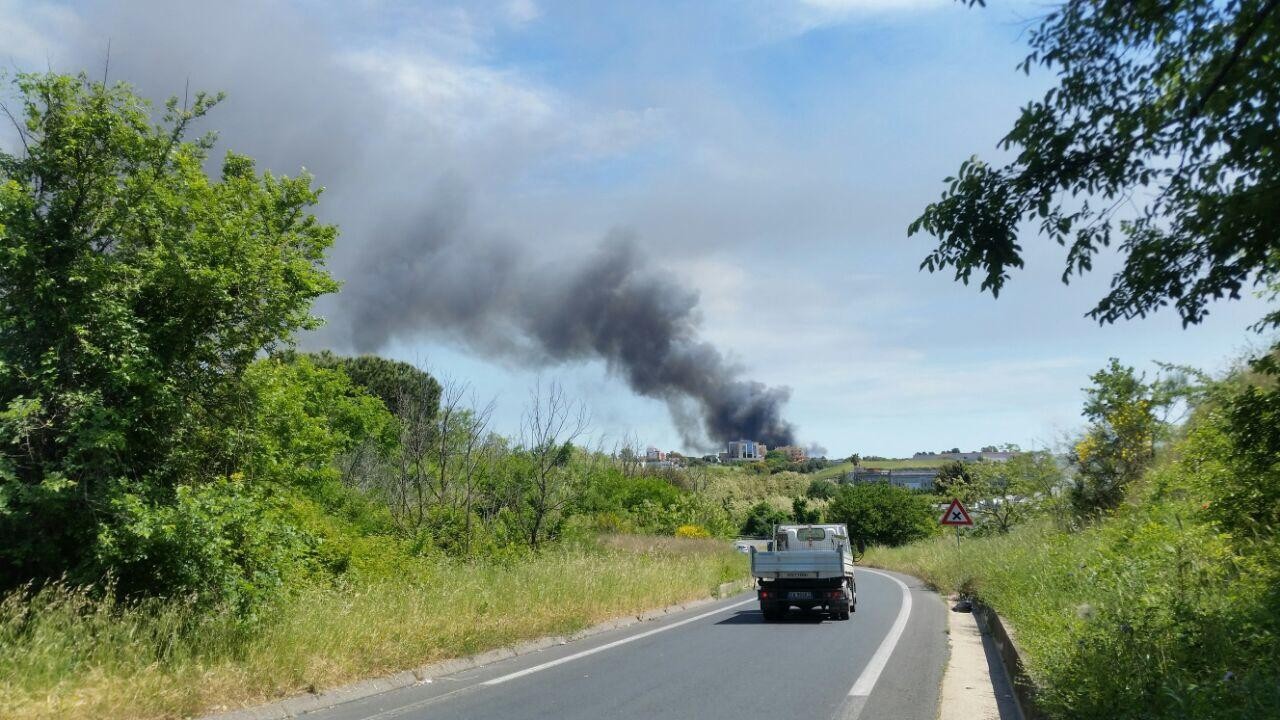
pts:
[801, 564]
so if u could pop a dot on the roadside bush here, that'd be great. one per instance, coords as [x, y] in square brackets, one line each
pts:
[650, 517]
[1166, 608]
[883, 514]
[761, 518]
[220, 543]
[154, 286]
[803, 513]
[820, 489]
[692, 531]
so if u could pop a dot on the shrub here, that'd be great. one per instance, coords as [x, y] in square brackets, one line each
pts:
[820, 489]
[882, 514]
[803, 513]
[220, 542]
[761, 518]
[692, 531]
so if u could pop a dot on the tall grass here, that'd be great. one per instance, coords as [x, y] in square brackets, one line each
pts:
[1149, 615]
[65, 654]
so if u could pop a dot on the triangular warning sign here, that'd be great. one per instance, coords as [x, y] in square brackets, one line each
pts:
[956, 514]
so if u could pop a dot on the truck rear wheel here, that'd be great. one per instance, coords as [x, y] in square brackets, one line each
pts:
[772, 611]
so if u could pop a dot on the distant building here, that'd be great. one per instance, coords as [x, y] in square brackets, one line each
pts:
[745, 451]
[911, 479]
[965, 456]
[794, 453]
[655, 459]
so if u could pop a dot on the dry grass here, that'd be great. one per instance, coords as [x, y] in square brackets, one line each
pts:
[64, 655]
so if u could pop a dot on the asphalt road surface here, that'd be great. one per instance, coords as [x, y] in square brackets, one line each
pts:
[715, 661]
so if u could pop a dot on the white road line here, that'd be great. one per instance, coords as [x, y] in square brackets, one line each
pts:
[614, 644]
[871, 673]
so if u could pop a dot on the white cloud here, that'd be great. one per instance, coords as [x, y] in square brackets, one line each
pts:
[522, 11]
[451, 97]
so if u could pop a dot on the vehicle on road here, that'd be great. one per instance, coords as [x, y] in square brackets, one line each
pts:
[808, 567]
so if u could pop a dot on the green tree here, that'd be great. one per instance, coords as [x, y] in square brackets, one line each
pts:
[1158, 137]
[1004, 494]
[1119, 444]
[820, 489]
[953, 479]
[137, 292]
[761, 518]
[802, 513]
[389, 380]
[882, 514]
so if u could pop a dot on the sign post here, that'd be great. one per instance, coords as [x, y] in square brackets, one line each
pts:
[956, 516]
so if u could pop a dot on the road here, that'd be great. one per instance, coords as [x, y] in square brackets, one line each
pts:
[714, 661]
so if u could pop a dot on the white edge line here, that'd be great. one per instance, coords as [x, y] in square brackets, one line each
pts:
[871, 673]
[607, 646]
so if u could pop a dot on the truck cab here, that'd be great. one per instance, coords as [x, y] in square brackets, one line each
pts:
[807, 567]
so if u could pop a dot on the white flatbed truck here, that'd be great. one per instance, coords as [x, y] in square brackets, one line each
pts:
[806, 566]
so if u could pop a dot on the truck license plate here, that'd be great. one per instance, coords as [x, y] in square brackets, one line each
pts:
[799, 596]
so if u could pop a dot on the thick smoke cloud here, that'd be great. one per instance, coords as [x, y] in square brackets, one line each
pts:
[433, 277]
[416, 149]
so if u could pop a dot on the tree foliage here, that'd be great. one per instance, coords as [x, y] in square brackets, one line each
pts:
[804, 513]
[136, 292]
[820, 489]
[761, 518]
[882, 514]
[1159, 137]
[1120, 441]
[1004, 494]
[953, 479]
[388, 380]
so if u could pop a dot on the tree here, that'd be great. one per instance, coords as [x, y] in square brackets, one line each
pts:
[551, 424]
[953, 478]
[803, 514]
[883, 514]
[136, 292]
[1120, 441]
[389, 380]
[1003, 494]
[820, 489]
[1159, 136]
[761, 518]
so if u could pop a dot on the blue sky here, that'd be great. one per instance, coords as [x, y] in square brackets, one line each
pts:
[767, 154]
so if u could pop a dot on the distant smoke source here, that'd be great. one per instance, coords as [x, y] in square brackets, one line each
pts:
[435, 278]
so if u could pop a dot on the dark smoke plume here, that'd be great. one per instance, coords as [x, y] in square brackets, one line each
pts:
[496, 297]
[413, 262]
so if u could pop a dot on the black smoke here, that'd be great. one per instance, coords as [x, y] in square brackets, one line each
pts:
[402, 182]
[437, 277]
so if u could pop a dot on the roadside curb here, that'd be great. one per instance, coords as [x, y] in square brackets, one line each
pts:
[296, 705]
[1024, 689]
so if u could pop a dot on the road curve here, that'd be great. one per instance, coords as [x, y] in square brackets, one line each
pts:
[716, 661]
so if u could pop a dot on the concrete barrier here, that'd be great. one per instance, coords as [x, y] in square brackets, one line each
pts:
[1024, 690]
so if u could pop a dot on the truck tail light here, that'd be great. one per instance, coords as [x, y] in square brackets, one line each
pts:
[835, 594]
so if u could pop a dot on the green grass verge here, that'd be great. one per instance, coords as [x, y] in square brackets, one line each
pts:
[1149, 615]
[64, 655]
